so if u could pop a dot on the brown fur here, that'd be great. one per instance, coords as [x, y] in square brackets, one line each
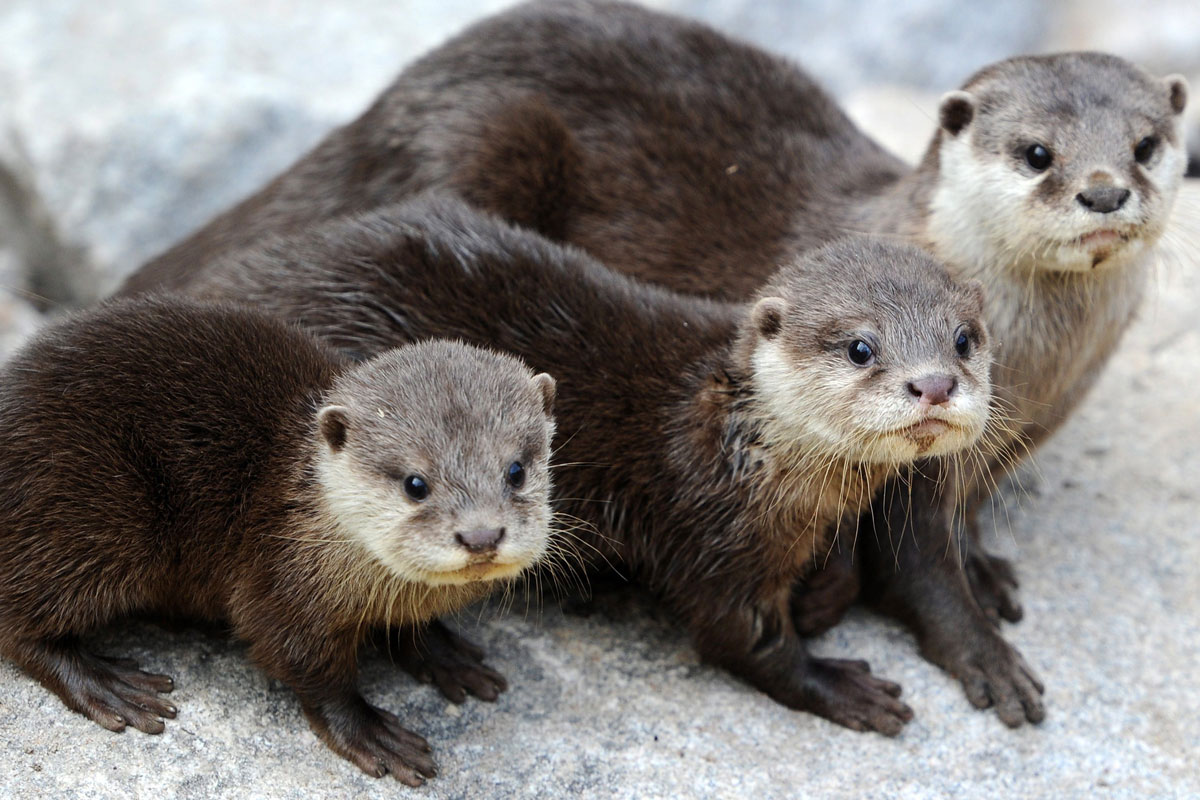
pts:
[159, 457]
[663, 435]
[701, 163]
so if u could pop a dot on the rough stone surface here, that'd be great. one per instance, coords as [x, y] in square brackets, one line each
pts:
[134, 125]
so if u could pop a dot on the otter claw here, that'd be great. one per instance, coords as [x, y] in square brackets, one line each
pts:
[993, 582]
[438, 655]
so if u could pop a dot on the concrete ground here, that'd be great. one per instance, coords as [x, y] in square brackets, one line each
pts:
[1104, 529]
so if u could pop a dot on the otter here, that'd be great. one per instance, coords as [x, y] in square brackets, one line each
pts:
[1048, 181]
[714, 449]
[167, 457]
[700, 163]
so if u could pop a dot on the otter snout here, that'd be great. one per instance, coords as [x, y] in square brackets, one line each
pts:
[933, 390]
[481, 540]
[1102, 199]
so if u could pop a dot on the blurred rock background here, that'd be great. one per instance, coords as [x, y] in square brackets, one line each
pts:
[125, 125]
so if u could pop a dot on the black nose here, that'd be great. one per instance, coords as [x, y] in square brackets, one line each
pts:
[933, 390]
[1102, 199]
[480, 541]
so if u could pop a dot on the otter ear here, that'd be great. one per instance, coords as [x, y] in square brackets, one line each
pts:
[767, 316]
[334, 421]
[1177, 85]
[956, 111]
[548, 389]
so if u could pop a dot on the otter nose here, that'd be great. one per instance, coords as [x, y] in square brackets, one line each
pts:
[1102, 199]
[480, 540]
[933, 390]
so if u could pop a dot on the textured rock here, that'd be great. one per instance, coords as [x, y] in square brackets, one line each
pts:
[133, 126]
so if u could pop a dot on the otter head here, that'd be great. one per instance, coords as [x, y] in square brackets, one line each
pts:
[867, 351]
[434, 457]
[1065, 162]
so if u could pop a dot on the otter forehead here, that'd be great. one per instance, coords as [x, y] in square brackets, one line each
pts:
[886, 285]
[1096, 93]
[443, 402]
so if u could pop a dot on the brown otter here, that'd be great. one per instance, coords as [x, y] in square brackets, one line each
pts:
[162, 456]
[668, 150]
[1049, 181]
[714, 447]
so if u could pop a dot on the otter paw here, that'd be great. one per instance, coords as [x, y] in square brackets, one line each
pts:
[378, 744]
[993, 674]
[440, 656]
[821, 600]
[994, 585]
[114, 693]
[847, 693]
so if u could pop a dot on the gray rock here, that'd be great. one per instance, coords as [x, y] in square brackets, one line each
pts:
[928, 44]
[18, 317]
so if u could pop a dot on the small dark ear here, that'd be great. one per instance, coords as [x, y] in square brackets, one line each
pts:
[956, 111]
[1178, 87]
[334, 421]
[548, 388]
[767, 316]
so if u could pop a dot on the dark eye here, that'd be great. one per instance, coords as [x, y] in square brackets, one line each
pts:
[1144, 149]
[416, 488]
[1038, 157]
[860, 353]
[516, 475]
[962, 344]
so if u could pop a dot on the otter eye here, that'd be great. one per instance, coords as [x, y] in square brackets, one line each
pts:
[1038, 157]
[1144, 149]
[860, 353]
[416, 487]
[516, 475]
[962, 344]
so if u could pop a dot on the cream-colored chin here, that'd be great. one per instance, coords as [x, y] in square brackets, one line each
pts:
[473, 573]
[1094, 252]
[932, 437]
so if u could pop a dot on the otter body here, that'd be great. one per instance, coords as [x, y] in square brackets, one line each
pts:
[167, 457]
[712, 450]
[700, 163]
[1049, 181]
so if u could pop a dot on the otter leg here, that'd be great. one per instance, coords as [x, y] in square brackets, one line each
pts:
[372, 738]
[761, 646]
[916, 573]
[321, 667]
[992, 579]
[112, 692]
[433, 653]
[820, 600]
